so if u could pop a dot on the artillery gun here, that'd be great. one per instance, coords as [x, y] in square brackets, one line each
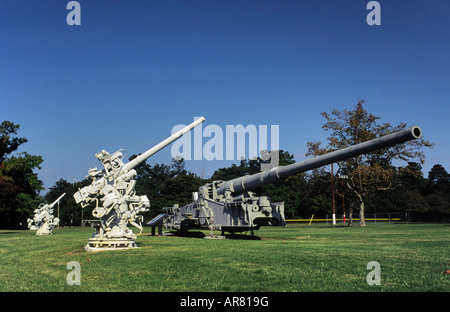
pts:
[231, 206]
[120, 205]
[43, 219]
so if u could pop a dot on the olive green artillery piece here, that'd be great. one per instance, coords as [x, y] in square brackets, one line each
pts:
[118, 204]
[43, 219]
[231, 206]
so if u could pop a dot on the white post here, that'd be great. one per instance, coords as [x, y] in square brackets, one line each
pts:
[58, 215]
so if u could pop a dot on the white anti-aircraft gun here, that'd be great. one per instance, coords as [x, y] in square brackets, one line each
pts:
[118, 204]
[43, 219]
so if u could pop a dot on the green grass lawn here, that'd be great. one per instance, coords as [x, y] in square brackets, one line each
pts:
[412, 257]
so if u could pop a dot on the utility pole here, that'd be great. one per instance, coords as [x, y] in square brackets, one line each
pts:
[342, 177]
[332, 194]
[58, 215]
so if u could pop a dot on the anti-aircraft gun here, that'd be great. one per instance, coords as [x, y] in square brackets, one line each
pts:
[120, 205]
[43, 219]
[231, 206]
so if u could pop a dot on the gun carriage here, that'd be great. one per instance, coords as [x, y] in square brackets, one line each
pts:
[116, 203]
[231, 206]
[43, 219]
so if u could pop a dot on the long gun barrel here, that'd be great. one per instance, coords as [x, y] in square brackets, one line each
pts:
[247, 183]
[59, 198]
[136, 161]
[117, 172]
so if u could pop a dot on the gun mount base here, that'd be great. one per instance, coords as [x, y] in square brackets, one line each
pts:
[115, 238]
[239, 215]
[44, 231]
[96, 244]
[214, 237]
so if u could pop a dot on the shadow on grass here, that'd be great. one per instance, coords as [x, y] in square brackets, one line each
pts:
[198, 234]
[10, 232]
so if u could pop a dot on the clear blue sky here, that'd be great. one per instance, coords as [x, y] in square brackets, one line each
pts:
[135, 69]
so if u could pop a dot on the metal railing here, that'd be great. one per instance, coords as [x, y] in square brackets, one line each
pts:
[374, 217]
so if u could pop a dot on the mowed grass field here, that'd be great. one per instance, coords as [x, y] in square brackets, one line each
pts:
[297, 258]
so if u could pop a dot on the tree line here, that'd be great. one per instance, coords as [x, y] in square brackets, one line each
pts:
[425, 198]
[368, 183]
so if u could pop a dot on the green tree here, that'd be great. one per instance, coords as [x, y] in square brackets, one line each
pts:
[318, 196]
[70, 214]
[372, 172]
[438, 180]
[436, 195]
[9, 143]
[165, 185]
[246, 167]
[19, 184]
